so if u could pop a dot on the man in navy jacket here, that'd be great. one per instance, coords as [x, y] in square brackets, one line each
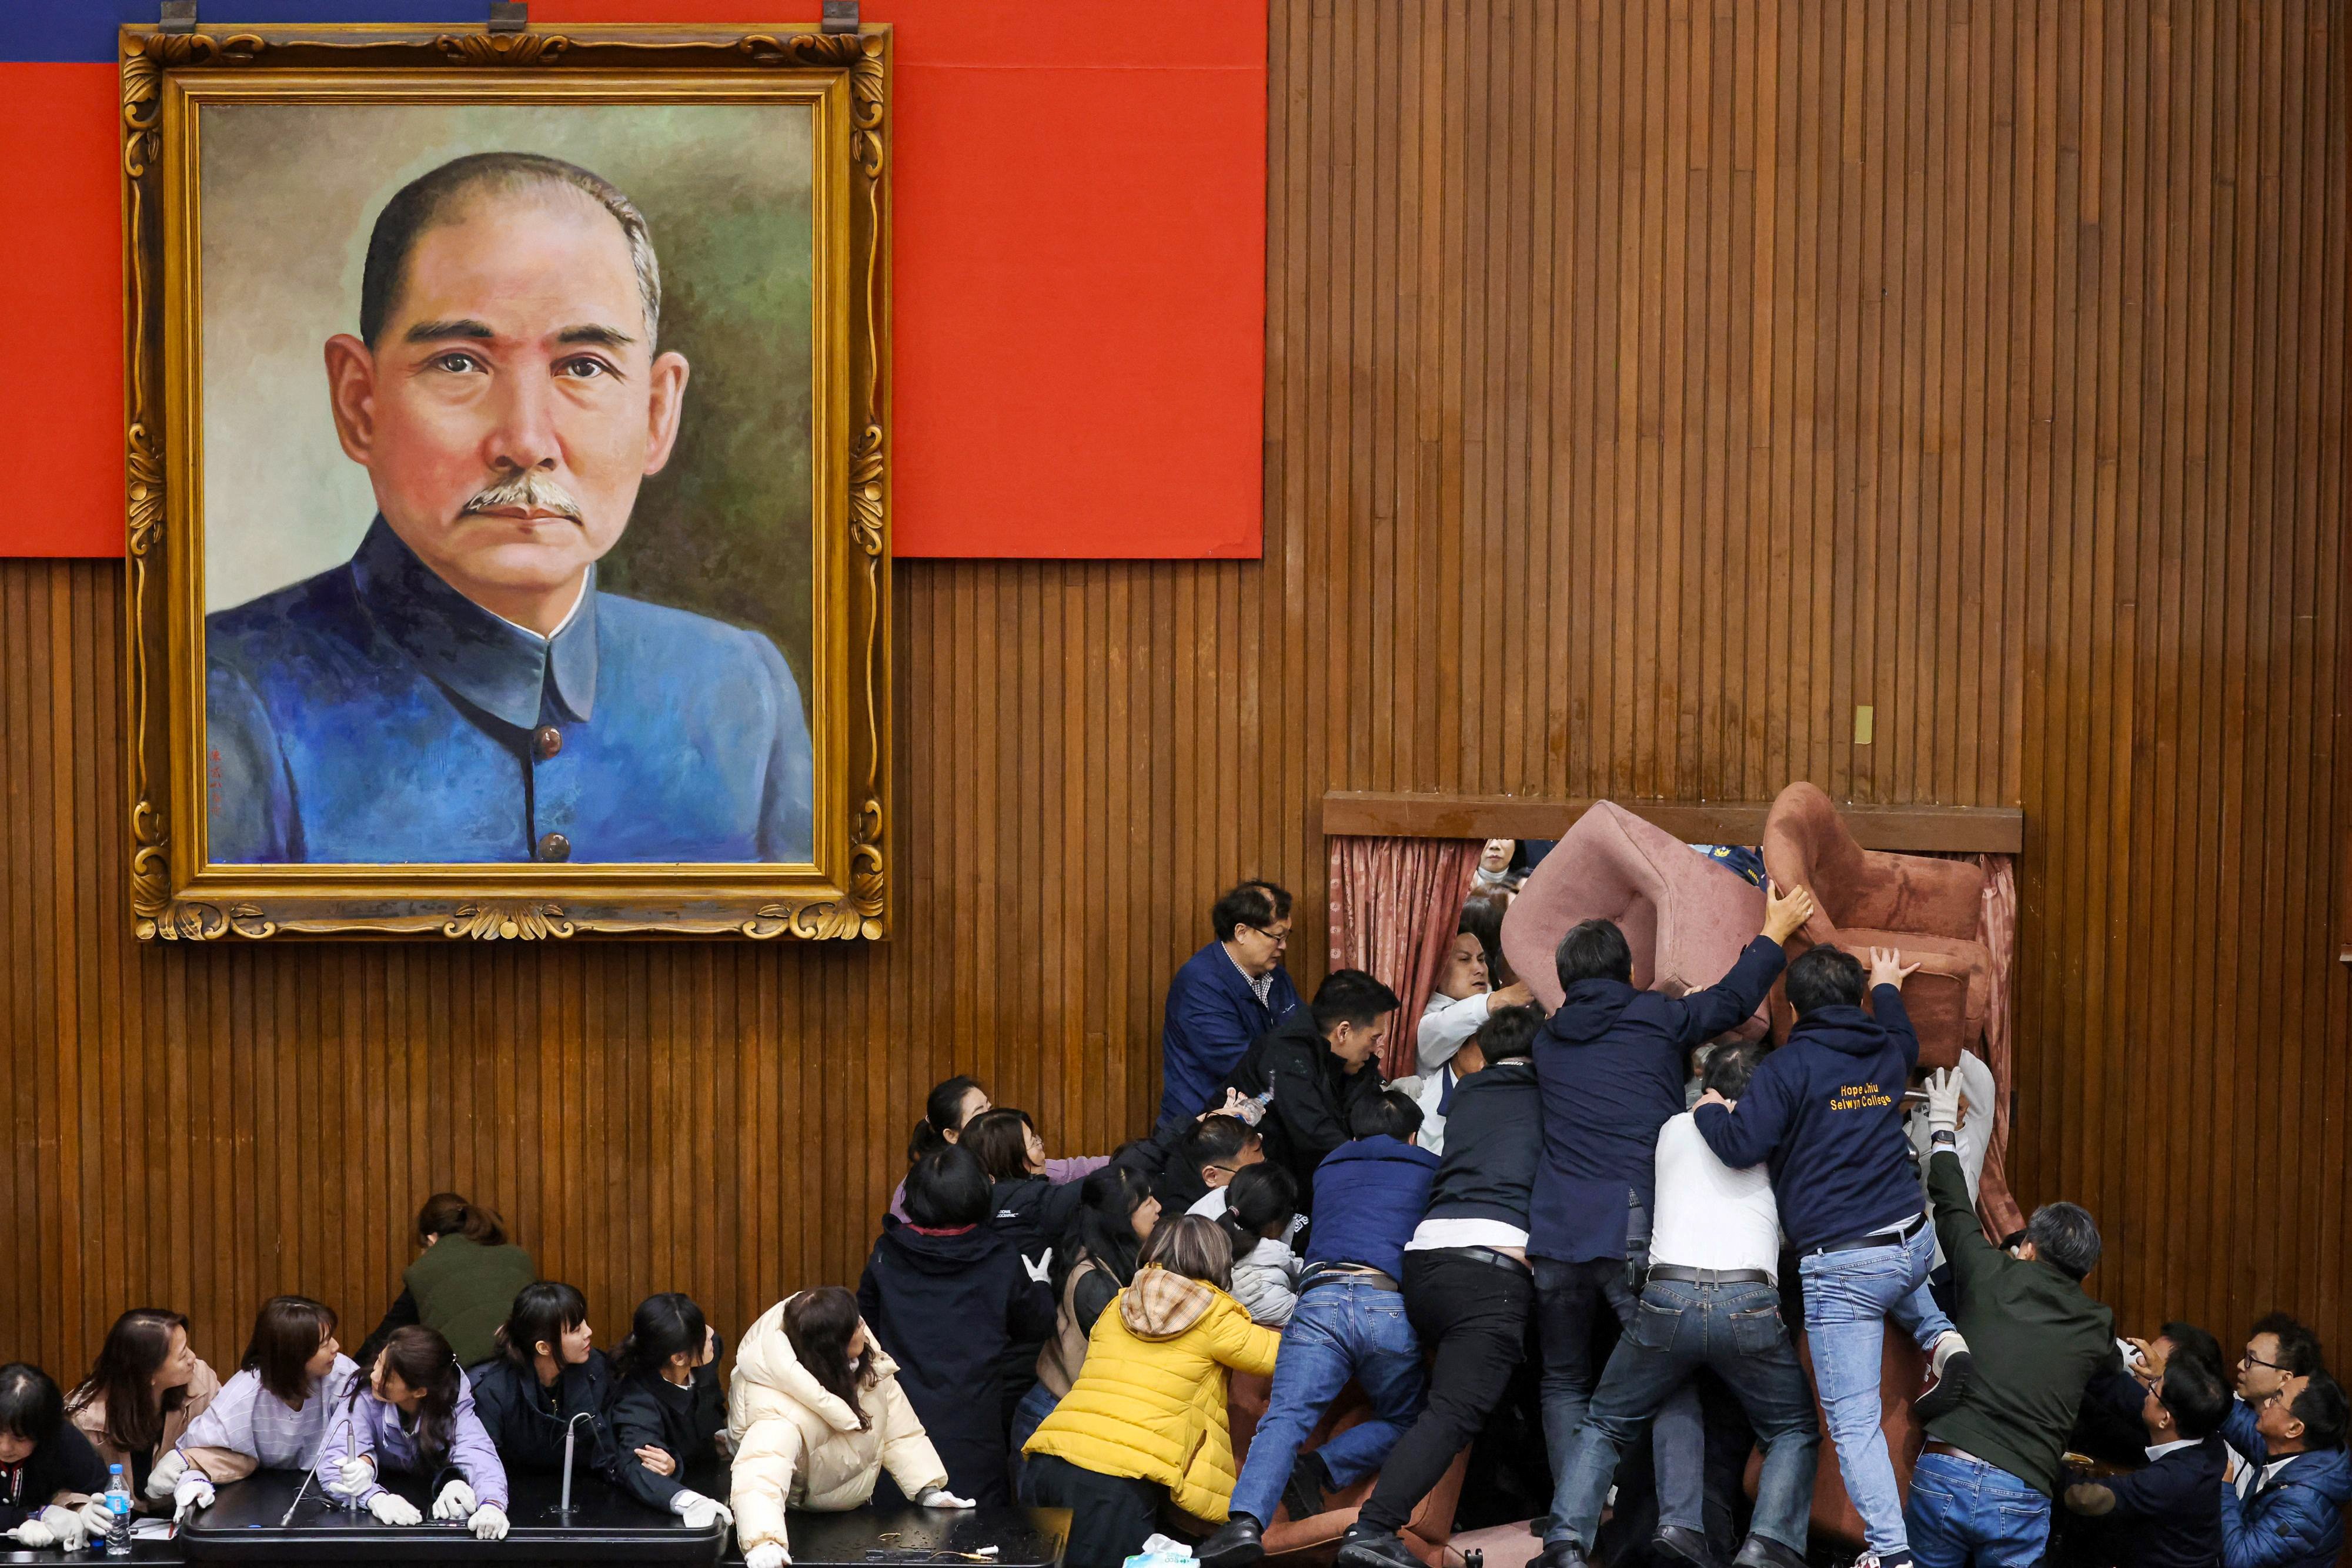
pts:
[2293, 1516]
[1226, 995]
[1826, 1112]
[2167, 1515]
[1612, 1063]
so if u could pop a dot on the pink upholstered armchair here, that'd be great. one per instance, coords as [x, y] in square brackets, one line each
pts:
[1685, 916]
[1865, 898]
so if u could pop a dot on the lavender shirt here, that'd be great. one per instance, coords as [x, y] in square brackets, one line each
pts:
[247, 1418]
[374, 1430]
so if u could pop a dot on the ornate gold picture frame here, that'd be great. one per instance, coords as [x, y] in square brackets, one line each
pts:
[630, 678]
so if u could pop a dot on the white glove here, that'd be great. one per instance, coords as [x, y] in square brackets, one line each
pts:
[1041, 1270]
[33, 1533]
[1943, 1101]
[97, 1518]
[166, 1475]
[700, 1512]
[393, 1509]
[489, 1524]
[352, 1477]
[939, 1497]
[767, 1554]
[66, 1527]
[456, 1501]
[193, 1493]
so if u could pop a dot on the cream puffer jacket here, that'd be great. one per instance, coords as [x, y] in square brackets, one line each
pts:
[798, 1445]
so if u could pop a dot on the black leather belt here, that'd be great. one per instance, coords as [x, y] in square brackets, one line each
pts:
[1895, 1238]
[1681, 1276]
[1345, 1274]
[1488, 1255]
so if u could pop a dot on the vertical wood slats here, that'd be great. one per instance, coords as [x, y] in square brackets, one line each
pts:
[1649, 384]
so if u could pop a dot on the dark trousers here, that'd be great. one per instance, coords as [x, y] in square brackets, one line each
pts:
[1475, 1313]
[1111, 1516]
[1570, 1299]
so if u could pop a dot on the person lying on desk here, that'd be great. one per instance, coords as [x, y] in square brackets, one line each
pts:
[416, 1413]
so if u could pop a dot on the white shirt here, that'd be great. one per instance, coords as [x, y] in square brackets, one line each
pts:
[1708, 1215]
[1445, 1023]
[1211, 1206]
[1497, 1235]
[2161, 1449]
[1429, 1097]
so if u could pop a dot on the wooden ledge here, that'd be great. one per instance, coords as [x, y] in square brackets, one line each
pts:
[1964, 830]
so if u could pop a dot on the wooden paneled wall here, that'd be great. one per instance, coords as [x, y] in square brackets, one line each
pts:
[1650, 386]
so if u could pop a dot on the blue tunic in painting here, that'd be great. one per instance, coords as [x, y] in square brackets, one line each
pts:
[374, 715]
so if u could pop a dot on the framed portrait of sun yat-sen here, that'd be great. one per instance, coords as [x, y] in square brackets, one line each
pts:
[507, 455]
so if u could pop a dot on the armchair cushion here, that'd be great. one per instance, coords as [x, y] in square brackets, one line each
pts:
[1317, 1539]
[1686, 917]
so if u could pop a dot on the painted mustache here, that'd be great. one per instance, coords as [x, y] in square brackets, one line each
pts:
[531, 490]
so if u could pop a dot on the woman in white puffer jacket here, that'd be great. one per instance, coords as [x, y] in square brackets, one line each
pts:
[815, 1414]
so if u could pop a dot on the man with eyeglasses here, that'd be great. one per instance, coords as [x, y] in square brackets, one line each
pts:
[2278, 1349]
[1226, 995]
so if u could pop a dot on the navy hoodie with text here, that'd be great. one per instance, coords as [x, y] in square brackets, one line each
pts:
[1826, 1108]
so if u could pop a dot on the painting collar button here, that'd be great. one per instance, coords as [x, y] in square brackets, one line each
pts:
[546, 741]
[554, 847]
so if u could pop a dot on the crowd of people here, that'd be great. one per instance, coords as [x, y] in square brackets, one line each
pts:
[1618, 1196]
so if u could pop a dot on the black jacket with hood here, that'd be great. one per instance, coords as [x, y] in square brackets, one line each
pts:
[1314, 1094]
[1612, 1061]
[947, 1305]
[1826, 1108]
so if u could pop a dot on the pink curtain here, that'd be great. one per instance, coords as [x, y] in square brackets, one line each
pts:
[1395, 904]
[1997, 929]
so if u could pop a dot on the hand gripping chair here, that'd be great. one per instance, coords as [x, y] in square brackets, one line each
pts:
[1686, 917]
[1863, 898]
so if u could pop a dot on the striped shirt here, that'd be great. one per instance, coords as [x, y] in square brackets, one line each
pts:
[249, 1419]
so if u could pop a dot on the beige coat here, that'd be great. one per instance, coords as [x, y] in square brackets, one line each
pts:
[798, 1445]
[90, 1419]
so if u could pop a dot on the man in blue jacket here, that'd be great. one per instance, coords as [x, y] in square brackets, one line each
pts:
[2293, 1515]
[1825, 1111]
[1349, 1324]
[1226, 995]
[1612, 1063]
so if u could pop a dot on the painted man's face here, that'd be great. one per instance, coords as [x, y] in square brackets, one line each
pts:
[511, 403]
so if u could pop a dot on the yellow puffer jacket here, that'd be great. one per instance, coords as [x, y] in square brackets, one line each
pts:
[1149, 1403]
[797, 1444]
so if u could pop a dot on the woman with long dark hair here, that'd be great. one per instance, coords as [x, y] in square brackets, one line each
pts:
[462, 1282]
[144, 1389]
[1116, 1214]
[947, 1111]
[666, 1412]
[413, 1412]
[1261, 1204]
[547, 1381]
[46, 1466]
[816, 1416]
[272, 1415]
[949, 1295]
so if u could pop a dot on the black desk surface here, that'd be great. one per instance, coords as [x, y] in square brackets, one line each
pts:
[603, 1527]
[877, 1537]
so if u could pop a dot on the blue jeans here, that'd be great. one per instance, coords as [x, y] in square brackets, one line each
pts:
[1849, 1296]
[1966, 1512]
[1677, 1329]
[1339, 1332]
[1028, 1417]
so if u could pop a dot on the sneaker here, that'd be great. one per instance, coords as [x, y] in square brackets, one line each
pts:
[1948, 1371]
[1367, 1546]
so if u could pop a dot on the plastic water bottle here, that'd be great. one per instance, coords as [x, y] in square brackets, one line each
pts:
[118, 1503]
